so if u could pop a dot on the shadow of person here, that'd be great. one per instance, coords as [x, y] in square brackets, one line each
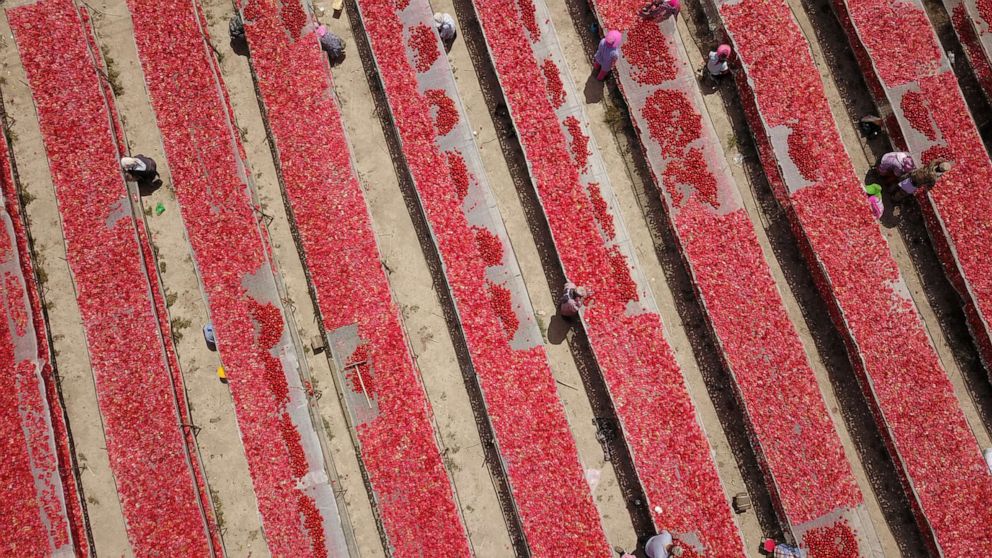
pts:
[240, 46]
[558, 329]
[594, 89]
[889, 219]
[708, 83]
[148, 186]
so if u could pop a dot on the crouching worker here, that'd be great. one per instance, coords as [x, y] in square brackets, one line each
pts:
[139, 168]
[924, 178]
[781, 550]
[895, 164]
[662, 545]
[445, 25]
[927, 177]
[331, 44]
[718, 62]
[571, 300]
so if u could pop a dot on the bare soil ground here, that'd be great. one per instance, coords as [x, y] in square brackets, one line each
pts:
[418, 288]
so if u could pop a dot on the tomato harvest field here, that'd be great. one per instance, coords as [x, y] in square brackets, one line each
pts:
[326, 314]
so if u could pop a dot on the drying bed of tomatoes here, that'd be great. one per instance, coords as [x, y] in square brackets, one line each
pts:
[157, 291]
[935, 452]
[14, 244]
[934, 121]
[670, 451]
[398, 447]
[759, 344]
[551, 496]
[152, 466]
[971, 21]
[35, 520]
[210, 180]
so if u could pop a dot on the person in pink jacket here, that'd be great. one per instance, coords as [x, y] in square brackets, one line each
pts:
[607, 54]
[895, 164]
[661, 8]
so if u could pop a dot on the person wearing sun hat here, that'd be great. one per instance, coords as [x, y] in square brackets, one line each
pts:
[781, 550]
[607, 54]
[895, 164]
[922, 178]
[445, 25]
[927, 176]
[662, 545]
[718, 61]
[330, 43]
[571, 300]
[139, 168]
[660, 8]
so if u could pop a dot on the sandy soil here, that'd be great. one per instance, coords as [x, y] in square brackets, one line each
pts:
[426, 308]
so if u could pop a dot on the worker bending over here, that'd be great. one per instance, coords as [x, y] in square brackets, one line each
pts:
[607, 54]
[571, 300]
[718, 61]
[139, 168]
[925, 177]
[662, 546]
[781, 550]
[660, 9]
[331, 44]
[895, 165]
[445, 25]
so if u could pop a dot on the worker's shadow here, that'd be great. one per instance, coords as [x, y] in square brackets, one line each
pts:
[890, 200]
[240, 46]
[709, 84]
[558, 329]
[147, 187]
[594, 89]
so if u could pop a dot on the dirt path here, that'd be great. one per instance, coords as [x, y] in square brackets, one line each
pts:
[65, 323]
